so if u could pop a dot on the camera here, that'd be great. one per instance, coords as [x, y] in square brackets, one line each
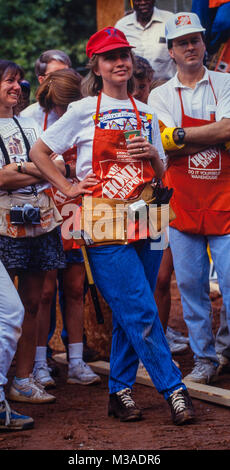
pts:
[26, 214]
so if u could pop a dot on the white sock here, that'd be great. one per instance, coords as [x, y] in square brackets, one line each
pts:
[40, 356]
[21, 381]
[75, 353]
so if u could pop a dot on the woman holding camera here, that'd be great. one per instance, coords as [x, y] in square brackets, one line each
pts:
[125, 274]
[30, 241]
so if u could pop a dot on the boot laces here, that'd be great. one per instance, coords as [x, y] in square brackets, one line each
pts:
[178, 401]
[125, 396]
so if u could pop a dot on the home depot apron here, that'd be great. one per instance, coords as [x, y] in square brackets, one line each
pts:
[120, 175]
[201, 182]
[68, 207]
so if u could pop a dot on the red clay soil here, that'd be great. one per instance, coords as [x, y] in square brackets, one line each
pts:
[78, 419]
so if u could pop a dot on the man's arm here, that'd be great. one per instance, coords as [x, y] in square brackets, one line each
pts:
[209, 134]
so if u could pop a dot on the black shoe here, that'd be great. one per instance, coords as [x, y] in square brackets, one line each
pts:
[181, 406]
[121, 405]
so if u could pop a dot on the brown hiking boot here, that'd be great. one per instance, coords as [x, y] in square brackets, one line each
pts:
[181, 406]
[122, 406]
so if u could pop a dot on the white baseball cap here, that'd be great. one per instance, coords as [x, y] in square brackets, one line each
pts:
[182, 23]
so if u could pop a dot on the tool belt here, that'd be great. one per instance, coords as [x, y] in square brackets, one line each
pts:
[112, 221]
[49, 215]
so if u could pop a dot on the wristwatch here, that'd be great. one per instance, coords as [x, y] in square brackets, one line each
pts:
[180, 134]
[19, 167]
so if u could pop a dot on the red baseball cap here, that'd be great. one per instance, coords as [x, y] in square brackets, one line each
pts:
[105, 40]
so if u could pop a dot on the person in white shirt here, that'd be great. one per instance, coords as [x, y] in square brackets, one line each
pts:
[48, 62]
[30, 240]
[125, 274]
[195, 108]
[145, 29]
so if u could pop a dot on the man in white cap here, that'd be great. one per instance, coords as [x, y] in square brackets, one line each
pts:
[145, 29]
[194, 110]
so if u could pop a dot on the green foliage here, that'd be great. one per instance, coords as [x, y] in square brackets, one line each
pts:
[28, 28]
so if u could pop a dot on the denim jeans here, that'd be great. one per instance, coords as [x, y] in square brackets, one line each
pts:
[126, 277]
[191, 264]
[11, 318]
[223, 336]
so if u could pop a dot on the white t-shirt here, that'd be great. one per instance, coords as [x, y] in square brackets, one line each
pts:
[36, 112]
[149, 41]
[198, 102]
[76, 127]
[15, 145]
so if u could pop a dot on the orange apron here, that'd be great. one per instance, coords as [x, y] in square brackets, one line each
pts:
[68, 208]
[201, 182]
[121, 177]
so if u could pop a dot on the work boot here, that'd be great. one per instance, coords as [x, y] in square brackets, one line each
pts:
[122, 406]
[181, 406]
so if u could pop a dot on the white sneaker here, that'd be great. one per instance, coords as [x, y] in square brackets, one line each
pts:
[42, 375]
[176, 336]
[81, 373]
[31, 392]
[204, 372]
[175, 347]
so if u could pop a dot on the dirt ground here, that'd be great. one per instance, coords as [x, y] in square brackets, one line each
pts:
[78, 419]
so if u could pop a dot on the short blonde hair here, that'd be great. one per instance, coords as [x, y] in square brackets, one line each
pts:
[59, 89]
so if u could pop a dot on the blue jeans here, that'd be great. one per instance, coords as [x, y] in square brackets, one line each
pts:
[126, 277]
[191, 264]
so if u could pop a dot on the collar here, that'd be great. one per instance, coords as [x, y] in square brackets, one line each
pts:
[178, 84]
[156, 17]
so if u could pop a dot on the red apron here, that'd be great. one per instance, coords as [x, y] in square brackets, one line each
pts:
[68, 208]
[121, 177]
[201, 182]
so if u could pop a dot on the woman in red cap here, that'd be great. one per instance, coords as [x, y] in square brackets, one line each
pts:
[125, 274]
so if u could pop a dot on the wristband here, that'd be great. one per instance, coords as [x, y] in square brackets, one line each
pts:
[168, 141]
[67, 169]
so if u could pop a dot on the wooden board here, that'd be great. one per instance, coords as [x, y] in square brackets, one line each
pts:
[204, 392]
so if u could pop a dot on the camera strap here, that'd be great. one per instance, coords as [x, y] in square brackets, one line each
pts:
[27, 145]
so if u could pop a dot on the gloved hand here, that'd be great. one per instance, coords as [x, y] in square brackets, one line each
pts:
[162, 194]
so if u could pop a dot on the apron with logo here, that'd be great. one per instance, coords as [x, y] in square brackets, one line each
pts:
[120, 176]
[201, 182]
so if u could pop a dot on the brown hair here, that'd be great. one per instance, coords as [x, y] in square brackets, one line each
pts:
[142, 69]
[6, 66]
[92, 84]
[59, 89]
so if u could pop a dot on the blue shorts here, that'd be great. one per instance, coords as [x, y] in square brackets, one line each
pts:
[42, 253]
[74, 256]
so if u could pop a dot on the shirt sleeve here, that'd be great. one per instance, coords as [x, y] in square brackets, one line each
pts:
[158, 102]
[157, 139]
[62, 135]
[223, 101]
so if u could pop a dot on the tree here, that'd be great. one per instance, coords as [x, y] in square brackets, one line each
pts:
[28, 28]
